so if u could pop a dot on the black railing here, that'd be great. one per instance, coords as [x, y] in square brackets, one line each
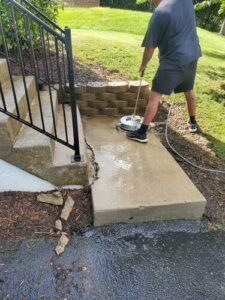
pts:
[34, 45]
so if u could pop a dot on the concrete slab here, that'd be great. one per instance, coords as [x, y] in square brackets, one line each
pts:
[15, 179]
[137, 183]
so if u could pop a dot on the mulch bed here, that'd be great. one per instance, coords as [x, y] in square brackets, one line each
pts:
[21, 215]
[196, 148]
[82, 73]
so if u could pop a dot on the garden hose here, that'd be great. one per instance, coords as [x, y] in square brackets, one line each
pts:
[180, 155]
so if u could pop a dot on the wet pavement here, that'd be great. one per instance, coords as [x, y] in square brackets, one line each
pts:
[157, 261]
[126, 190]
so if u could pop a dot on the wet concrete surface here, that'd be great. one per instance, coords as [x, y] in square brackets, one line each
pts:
[156, 261]
[126, 190]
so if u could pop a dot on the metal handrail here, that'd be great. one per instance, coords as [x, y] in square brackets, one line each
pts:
[42, 15]
[51, 44]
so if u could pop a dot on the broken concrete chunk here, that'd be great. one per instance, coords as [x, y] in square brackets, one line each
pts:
[54, 198]
[63, 241]
[58, 225]
[67, 208]
[57, 194]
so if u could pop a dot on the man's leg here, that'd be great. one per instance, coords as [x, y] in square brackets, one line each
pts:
[150, 112]
[152, 107]
[191, 102]
[191, 105]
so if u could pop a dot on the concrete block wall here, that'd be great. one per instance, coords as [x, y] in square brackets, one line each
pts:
[111, 98]
[82, 3]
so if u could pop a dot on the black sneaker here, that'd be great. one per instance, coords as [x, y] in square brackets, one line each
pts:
[135, 136]
[193, 127]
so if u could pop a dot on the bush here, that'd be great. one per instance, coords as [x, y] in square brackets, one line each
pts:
[49, 7]
[106, 3]
[207, 14]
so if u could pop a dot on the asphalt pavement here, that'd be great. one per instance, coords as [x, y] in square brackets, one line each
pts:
[156, 261]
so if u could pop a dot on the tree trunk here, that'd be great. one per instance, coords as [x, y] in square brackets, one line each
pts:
[222, 31]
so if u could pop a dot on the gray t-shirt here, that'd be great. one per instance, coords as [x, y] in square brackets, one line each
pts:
[172, 29]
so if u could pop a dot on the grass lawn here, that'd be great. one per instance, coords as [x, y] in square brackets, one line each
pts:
[112, 38]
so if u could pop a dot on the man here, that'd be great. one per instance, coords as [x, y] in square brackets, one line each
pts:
[172, 29]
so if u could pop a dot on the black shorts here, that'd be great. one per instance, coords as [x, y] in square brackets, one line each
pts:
[177, 81]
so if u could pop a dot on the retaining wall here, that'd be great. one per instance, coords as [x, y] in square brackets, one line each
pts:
[111, 98]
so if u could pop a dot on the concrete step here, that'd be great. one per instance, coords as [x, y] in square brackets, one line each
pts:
[64, 171]
[33, 151]
[21, 180]
[9, 127]
[4, 72]
[137, 183]
[46, 158]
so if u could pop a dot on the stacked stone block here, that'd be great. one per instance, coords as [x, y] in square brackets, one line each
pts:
[111, 98]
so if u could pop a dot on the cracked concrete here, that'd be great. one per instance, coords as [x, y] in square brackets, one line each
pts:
[136, 182]
[93, 166]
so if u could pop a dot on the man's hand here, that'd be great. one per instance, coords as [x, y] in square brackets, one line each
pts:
[142, 69]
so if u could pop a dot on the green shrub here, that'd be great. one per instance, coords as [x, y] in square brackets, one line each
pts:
[106, 3]
[209, 14]
[50, 9]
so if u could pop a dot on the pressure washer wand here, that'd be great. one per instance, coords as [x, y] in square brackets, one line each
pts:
[138, 95]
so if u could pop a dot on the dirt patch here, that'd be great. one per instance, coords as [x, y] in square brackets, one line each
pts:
[82, 73]
[21, 215]
[93, 72]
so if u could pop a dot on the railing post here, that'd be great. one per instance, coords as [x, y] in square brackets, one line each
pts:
[68, 43]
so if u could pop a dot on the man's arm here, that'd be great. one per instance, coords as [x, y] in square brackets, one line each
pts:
[147, 56]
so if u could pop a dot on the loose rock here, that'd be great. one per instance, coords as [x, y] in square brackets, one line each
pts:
[67, 209]
[58, 225]
[63, 241]
[54, 198]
